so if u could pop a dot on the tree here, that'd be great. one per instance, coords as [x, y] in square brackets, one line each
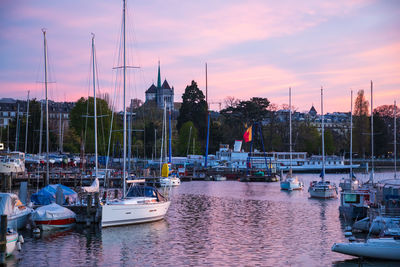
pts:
[82, 121]
[237, 117]
[361, 125]
[194, 108]
[185, 144]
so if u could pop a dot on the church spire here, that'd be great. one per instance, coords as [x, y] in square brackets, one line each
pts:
[159, 76]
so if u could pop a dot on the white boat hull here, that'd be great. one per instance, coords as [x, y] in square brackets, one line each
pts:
[291, 184]
[123, 214]
[170, 181]
[12, 240]
[53, 216]
[381, 248]
[329, 193]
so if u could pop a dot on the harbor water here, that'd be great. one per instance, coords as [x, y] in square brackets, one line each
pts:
[225, 223]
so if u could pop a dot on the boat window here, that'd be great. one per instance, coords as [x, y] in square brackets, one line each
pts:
[351, 198]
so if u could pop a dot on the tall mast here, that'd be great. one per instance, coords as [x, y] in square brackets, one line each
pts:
[17, 130]
[59, 134]
[323, 141]
[41, 129]
[372, 136]
[351, 135]
[290, 129]
[26, 126]
[47, 108]
[395, 143]
[95, 109]
[124, 67]
[206, 87]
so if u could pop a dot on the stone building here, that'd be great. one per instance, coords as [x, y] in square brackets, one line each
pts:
[162, 93]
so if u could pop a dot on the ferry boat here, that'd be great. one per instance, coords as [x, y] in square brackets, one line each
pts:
[300, 162]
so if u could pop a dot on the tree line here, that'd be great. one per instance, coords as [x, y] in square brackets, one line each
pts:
[189, 128]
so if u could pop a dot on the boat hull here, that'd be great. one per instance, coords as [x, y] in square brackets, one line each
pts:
[353, 212]
[48, 225]
[12, 240]
[124, 214]
[19, 221]
[381, 248]
[324, 194]
[291, 184]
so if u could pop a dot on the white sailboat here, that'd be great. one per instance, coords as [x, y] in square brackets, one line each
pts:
[141, 203]
[291, 182]
[322, 189]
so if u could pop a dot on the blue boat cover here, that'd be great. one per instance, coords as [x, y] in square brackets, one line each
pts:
[48, 195]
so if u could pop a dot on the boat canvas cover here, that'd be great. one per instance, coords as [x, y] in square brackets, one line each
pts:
[48, 194]
[7, 203]
[52, 212]
[94, 187]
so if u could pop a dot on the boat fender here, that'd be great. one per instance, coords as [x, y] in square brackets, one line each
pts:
[21, 239]
[348, 234]
[19, 246]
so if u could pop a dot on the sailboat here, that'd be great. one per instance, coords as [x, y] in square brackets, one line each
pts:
[291, 182]
[353, 199]
[140, 203]
[168, 178]
[323, 188]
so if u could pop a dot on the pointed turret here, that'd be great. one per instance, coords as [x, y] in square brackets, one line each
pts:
[159, 76]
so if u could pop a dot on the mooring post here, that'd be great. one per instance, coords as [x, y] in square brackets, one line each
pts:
[3, 239]
[9, 181]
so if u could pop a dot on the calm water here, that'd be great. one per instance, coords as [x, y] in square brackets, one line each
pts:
[211, 224]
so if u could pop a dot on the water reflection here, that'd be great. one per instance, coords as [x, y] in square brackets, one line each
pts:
[210, 223]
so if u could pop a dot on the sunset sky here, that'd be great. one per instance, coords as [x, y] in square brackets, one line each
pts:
[253, 48]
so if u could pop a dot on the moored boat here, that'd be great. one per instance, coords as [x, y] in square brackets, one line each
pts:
[17, 213]
[291, 182]
[322, 189]
[141, 204]
[12, 242]
[379, 248]
[53, 216]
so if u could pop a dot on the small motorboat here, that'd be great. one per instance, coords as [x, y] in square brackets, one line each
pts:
[170, 181]
[12, 242]
[219, 177]
[291, 183]
[53, 216]
[379, 248]
[17, 213]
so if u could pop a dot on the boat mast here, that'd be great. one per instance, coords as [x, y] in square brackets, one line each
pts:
[290, 129]
[395, 143]
[17, 130]
[95, 109]
[351, 135]
[47, 108]
[124, 67]
[372, 136]
[40, 129]
[323, 141]
[26, 126]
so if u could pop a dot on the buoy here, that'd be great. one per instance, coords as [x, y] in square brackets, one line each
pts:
[19, 246]
[36, 232]
[21, 239]
[348, 234]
